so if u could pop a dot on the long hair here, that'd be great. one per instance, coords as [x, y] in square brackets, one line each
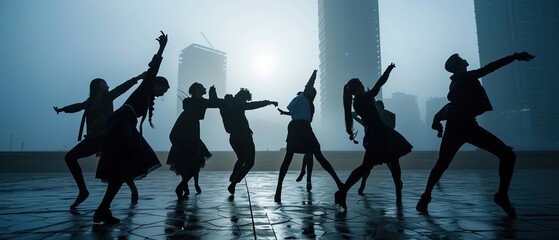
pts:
[349, 91]
[156, 81]
[94, 87]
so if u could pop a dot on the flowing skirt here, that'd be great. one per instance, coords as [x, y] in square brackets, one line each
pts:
[126, 155]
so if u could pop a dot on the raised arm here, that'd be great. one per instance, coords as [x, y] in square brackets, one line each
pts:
[382, 80]
[122, 88]
[489, 68]
[214, 101]
[310, 85]
[72, 108]
[156, 60]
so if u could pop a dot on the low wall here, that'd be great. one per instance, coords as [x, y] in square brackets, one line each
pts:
[271, 161]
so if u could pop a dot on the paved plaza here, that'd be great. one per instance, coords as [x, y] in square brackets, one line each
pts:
[35, 206]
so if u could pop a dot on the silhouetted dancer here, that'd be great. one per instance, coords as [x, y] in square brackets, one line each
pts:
[240, 136]
[126, 155]
[188, 153]
[300, 136]
[389, 119]
[382, 143]
[468, 99]
[97, 109]
[307, 159]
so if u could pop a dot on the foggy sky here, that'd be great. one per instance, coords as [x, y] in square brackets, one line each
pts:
[51, 50]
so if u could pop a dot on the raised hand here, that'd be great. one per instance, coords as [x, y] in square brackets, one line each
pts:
[57, 110]
[282, 112]
[392, 65]
[162, 39]
[523, 56]
[274, 103]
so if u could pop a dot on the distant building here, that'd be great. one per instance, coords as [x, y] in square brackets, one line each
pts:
[349, 48]
[408, 121]
[524, 95]
[208, 67]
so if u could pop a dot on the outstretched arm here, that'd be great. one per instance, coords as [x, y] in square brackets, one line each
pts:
[122, 88]
[258, 104]
[71, 108]
[382, 80]
[288, 113]
[489, 68]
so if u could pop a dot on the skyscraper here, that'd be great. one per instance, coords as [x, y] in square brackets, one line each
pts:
[524, 95]
[408, 121]
[208, 67]
[349, 48]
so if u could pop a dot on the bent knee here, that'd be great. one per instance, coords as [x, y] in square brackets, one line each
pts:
[69, 158]
[507, 154]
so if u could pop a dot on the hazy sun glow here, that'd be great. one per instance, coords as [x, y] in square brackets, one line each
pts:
[263, 65]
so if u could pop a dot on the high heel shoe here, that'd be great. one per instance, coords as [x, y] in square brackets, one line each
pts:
[309, 186]
[340, 199]
[104, 215]
[198, 189]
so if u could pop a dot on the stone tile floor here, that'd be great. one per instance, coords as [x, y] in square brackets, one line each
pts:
[35, 206]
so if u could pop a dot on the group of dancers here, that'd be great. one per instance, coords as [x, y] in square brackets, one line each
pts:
[126, 156]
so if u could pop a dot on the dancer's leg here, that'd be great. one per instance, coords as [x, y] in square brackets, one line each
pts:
[283, 171]
[363, 182]
[356, 174]
[396, 172]
[103, 214]
[196, 185]
[300, 177]
[485, 140]
[87, 147]
[326, 165]
[308, 159]
[134, 190]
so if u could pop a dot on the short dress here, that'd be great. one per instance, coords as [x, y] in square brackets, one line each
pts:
[385, 143]
[188, 153]
[126, 155]
[301, 138]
